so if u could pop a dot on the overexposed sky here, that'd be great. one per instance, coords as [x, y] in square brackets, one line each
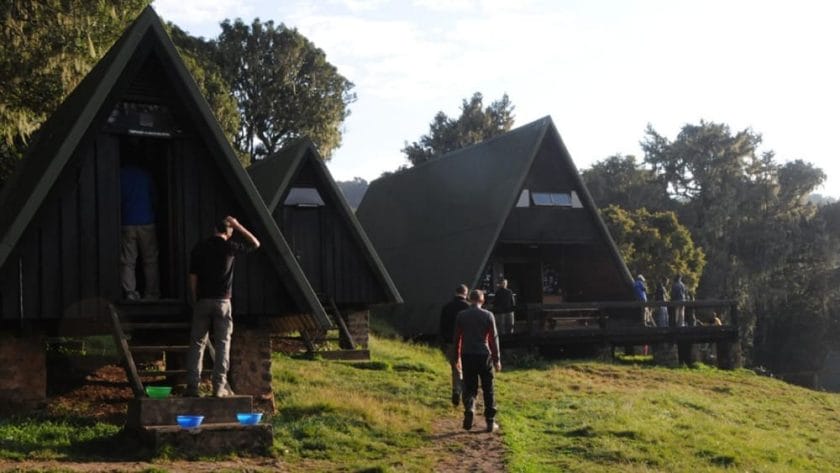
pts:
[602, 69]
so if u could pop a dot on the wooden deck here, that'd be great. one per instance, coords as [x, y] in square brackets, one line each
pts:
[616, 323]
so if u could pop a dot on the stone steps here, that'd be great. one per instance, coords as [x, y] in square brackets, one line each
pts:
[154, 422]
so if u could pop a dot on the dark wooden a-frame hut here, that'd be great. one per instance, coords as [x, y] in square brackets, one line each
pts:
[513, 206]
[333, 250]
[60, 214]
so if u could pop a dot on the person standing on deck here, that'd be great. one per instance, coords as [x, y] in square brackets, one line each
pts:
[641, 294]
[477, 344]
[503, 305]
[661, 311]
[679, 293]
[211, 287]
[447, 334]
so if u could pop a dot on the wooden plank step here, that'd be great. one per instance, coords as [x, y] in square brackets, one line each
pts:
[160, 372]
[158, 348]
[155, 325]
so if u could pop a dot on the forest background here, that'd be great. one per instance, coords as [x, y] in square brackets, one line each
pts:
[737, 222]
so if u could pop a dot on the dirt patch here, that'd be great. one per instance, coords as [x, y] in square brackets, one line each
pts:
[467, 450]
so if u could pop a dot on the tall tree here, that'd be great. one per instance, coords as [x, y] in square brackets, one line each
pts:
[46, 48]
[284, 87]
[655, 244]
[622, 181]
[475, 124]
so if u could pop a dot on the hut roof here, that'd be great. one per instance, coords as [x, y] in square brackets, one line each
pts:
[444, 217]
[85, 110]
[274, 177]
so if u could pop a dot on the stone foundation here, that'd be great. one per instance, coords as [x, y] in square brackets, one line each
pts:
[23, 371]
[358, 323]
[689, 353]
[250, 367]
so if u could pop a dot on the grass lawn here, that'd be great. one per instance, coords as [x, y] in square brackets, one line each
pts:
[556, 416]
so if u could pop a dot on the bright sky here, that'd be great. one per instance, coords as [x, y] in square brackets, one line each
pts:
[603, 69]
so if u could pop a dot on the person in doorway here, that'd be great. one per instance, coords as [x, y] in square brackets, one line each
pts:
[679, 293]
[503, 305]
[477, 347]
[661, 311]
[138, 234]
[447, 334]
[211, 286]
[641, 294]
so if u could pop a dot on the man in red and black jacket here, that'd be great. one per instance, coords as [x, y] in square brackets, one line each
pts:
[477, 346]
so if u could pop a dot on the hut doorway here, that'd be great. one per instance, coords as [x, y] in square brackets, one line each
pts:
[153, 156]
[303, 222]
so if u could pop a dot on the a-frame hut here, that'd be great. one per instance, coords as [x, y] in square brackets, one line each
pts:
[331, 247]
[60, 214]
[511, 207]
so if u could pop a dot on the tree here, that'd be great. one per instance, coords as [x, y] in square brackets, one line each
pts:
[199, 57]
[655, 244]
[621, 181]
[46, 48]
[284, 87]
[475, 124]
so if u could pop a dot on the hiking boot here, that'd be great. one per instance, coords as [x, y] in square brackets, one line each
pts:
[468, 420]
[492, 426]
[456, 398]
[224, 391]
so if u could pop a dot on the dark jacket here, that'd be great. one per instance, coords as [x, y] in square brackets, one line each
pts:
[447, 317]
[503, 301]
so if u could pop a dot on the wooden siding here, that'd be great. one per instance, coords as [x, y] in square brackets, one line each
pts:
[331, 258]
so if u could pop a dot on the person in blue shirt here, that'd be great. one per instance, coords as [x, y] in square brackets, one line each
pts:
[138, 230]
[641, 294]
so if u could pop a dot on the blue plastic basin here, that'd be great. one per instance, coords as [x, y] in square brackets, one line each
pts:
[249, 418]
[189, 422]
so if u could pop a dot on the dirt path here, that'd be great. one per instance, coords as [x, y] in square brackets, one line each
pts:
[471, 451]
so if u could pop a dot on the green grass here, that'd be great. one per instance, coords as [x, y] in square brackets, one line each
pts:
[360, 415]
[576, 416]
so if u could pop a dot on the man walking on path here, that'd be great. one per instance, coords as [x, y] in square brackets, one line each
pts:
[211, 286]
[679, 293]
[503, 305]
[477, 344]
[447, 334]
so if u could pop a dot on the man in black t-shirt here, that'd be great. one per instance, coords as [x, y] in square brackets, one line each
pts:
[211, 286]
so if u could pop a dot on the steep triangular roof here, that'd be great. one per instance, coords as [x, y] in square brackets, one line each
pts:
[444, 216]
[84, 111]
[274, 176]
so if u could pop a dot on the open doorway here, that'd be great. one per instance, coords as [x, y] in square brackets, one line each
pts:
[146, 219]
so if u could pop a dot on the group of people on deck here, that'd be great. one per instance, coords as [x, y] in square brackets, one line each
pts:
[659, 317]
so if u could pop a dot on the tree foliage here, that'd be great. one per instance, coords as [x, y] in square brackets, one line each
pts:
[284, 87]
[655, 244]
[46, 48]
[475, 124]
[765, 244]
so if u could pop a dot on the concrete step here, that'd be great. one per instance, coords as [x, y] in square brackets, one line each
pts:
[143, 412]
[209, 439]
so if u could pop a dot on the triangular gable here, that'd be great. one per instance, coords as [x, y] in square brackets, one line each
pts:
[274, 177]
[435, 225]
[79, 117]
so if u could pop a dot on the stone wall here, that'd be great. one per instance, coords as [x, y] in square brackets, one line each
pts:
[666, 354]
[358, 323]
[250, 367]
[23, 371]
